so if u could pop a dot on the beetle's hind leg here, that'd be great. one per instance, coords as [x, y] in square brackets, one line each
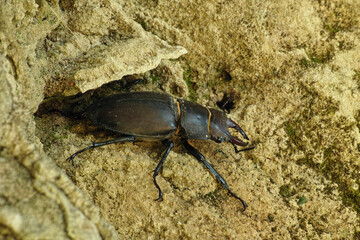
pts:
[191, 150]
[169, 145]
[100, 144]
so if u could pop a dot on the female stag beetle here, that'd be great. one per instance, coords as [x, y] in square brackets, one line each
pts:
[158, 116]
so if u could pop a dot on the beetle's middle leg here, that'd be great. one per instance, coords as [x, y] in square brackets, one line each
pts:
[191, 150]
[169, 145]
[99, 144]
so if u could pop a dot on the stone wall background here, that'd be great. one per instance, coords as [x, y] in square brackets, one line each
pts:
[295, 71]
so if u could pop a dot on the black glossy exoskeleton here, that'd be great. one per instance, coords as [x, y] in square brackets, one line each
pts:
[158, 116]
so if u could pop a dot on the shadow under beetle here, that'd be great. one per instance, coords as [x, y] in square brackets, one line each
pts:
[158, 116]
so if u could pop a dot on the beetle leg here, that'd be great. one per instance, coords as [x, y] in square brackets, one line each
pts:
[99, 144]
[191, 150]
[241, 150]
[131, 85]
[169, 145]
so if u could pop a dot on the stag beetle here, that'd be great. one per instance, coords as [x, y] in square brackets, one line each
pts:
[158, 116]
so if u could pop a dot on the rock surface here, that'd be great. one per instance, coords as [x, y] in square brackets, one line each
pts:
[47, 49]
[294, 68]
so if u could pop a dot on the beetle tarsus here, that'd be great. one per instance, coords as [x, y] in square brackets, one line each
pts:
[131, 85]
[242, 150]
[71, 158]
[191, 150]
[100, 144]
[238, 198]
[159, 198]
[169, 145]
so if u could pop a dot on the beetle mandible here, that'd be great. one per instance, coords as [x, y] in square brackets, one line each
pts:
[159, 116]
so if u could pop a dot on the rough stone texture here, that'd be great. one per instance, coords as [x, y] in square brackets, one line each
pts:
[295, 69]
[47, 49]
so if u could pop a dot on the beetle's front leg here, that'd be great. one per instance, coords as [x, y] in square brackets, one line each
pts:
[241, 150]
[191, 150]
[169, 145]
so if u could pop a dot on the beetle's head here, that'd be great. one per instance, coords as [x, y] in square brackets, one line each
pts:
[219, 129]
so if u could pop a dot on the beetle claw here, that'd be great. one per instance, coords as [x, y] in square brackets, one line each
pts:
[238, 198]
[71, 159]
[160, 198]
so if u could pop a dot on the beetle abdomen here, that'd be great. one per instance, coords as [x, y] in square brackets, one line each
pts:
[140, 114]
